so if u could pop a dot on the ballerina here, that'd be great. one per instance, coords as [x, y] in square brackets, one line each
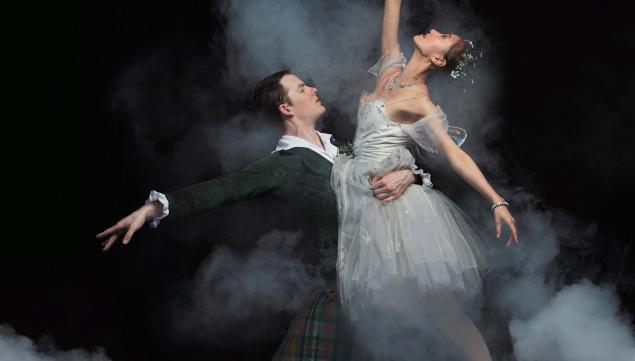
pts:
[418, 252]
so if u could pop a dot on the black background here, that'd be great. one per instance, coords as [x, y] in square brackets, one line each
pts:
[568, 89]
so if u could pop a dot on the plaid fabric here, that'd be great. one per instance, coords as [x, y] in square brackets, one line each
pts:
[312, 335]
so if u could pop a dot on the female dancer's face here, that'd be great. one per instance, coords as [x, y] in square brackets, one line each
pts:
[435, 43]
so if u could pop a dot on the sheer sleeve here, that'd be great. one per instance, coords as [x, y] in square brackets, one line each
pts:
[388, 61]
[428, 131]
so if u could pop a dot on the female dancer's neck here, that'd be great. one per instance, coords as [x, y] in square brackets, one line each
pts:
[417, 68]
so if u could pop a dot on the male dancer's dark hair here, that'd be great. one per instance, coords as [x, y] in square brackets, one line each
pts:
[269, 93]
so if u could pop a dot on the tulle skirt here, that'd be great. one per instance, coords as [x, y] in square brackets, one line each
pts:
[418, 248]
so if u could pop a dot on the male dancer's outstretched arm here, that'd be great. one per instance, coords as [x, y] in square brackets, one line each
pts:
[256, 179]
[299, 108]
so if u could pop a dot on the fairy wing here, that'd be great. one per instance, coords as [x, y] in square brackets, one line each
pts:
[427, 131]
[457, 134]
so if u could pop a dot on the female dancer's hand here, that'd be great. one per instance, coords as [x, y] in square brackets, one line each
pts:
[502, 215]
[392, 185]
[130, 224]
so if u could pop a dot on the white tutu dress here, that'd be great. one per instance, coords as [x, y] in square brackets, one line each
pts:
[417, 246]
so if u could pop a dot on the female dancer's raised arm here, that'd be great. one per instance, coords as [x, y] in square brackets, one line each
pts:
[390, 27]
[391, 61]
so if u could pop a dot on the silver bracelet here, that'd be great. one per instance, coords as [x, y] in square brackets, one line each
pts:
[499, 204]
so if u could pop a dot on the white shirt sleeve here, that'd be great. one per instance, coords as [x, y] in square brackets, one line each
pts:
[161, 198]
[426, 178]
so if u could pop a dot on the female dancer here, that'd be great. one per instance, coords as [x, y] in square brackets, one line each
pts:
[419, 252]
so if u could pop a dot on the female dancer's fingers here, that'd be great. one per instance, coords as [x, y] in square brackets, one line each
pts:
[498, 228]
[110, 242]
[512, 228]
[510, 241]
[514, 232]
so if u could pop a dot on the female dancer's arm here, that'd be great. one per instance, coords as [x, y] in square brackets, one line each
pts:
[390, 27]
[463, 164]
[391, 61]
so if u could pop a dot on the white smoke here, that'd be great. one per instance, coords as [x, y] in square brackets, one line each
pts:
[334, 42]
[230, 289]
[580, 323]
[241, 140]
[329, 41]
[15, 347]
[547, 322]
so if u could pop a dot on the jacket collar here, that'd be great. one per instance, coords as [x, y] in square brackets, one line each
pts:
[290, 141]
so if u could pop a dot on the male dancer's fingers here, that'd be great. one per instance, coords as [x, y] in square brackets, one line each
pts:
[133, 228]
[381, 192]
[389, 199]
[128, 236]
[379, 183]
[109, 243]
[109, 231]
[383, 195]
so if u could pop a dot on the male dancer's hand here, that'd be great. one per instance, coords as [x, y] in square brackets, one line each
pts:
[392, 185]
[130, 224]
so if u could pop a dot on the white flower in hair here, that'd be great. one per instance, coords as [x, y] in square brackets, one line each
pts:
[467, 57]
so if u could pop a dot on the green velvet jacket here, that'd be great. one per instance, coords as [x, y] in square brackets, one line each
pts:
[299, 176]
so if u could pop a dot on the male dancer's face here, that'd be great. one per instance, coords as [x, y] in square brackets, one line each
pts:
[305, 103]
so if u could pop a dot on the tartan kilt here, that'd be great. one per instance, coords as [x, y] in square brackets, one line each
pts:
[312, 335]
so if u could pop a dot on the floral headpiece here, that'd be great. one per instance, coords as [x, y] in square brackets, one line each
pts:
[468, 56]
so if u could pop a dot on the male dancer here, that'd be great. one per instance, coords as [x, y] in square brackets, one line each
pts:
[299, 171]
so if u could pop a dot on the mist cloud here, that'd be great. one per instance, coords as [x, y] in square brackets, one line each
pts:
[231, 289]
[16, 347]
[582, 323]
[332, 43]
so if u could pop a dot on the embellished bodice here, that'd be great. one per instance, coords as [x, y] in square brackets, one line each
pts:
[377, 136]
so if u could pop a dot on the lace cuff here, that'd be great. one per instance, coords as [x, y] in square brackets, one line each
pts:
[387, 61]
[161, 198]
[425, 177]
